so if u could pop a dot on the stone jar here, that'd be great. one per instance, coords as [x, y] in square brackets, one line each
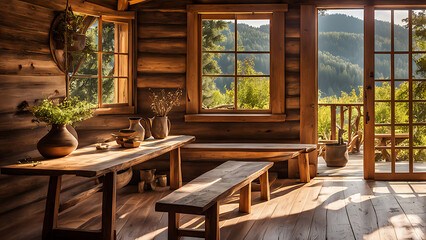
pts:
[59, 142]
[135, 124]
[160, 127]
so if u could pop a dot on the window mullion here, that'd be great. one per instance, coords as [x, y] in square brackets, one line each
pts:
[100, 61]
[236, 64]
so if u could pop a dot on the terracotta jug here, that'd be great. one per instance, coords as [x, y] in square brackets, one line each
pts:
[135, 125]
[160, 127]
[59, 142]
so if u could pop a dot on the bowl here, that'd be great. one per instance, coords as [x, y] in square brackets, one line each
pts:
[126, 132]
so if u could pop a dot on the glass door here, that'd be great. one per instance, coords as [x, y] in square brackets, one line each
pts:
[398, 85]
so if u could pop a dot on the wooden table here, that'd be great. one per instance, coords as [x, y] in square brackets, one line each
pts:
[294, 150]
[89, 162]
[385, 138]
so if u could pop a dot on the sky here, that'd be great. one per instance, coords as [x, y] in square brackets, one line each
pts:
[383, 15]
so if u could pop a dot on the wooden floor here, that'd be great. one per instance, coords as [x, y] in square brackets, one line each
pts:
[325, 208]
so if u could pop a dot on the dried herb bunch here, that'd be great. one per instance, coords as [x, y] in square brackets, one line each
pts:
[162, 102]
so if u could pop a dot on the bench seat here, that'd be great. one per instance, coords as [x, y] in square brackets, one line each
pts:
[288, 151]
[202, 195]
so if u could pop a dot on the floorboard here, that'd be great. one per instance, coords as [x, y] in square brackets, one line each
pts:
[325, 208]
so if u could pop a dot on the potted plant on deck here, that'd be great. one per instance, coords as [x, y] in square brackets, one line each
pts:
[59, 141]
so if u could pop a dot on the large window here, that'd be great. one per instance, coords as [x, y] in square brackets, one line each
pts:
[236, 62]
[102, 74]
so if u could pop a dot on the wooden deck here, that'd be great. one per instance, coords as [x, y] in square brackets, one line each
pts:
[325, 208]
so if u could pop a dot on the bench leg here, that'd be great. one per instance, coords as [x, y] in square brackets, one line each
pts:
[212, 223]
[52, 207]
[173, 226]
[304, 168]
[264, 187]
[245, 199]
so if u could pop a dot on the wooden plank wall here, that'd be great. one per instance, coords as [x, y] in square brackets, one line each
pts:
[28, 73]
[162, 64]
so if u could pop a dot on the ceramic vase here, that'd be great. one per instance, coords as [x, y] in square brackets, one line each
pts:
[135, 124]
[160, 127]
[59, 142]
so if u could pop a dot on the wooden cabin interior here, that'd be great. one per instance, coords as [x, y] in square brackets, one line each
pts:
[235, 170]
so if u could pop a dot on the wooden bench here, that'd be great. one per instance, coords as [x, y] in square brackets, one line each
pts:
[241, 150]
[201, 196]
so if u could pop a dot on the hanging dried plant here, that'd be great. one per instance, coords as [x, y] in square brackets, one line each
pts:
[162, 102]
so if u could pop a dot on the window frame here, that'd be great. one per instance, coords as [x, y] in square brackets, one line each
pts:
[194, 111]
[235, 17]
[116, 108]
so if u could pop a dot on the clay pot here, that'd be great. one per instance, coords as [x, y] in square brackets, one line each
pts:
[135, 124]
[59, 142]
[160, 127]
[336, 155]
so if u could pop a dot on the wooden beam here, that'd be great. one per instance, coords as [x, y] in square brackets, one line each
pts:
[308, 78]
[122, 5]
[133, 2]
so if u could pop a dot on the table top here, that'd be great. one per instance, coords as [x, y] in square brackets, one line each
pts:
[252, 147]
[89, 162]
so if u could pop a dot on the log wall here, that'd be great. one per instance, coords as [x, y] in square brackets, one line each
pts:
[27, 74]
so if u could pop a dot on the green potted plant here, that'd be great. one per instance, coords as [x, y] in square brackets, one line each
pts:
[59, 141]
[72, 26]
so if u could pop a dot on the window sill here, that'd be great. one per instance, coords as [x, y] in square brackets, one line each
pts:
[235, 117]
[115, 110]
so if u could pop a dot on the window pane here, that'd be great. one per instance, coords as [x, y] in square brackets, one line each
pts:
[382, 155]
[402, 136]
[382, 66]
[114, 90]
[253, 93]
[401, 30]
[419, 43]
[218, 35]
[419, 156]
[108, 36]
[401, 66]
[218, 63]
[401, 162]
[253, 35]
[382, 29]
[218, 93]
[382, 112]
[92, 36]
[85, 89]
[419, 112]
[114, 65]
[89, 65]
[419, 66]
[419, 133]
[419, 90]
[253, 64]
[383, 91]
[401, 90]
[401, 112]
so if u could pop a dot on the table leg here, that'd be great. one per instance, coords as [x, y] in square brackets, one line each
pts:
[108, 206]
[52, 207]
[175, 169]
[386, 155]
[304, 168]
